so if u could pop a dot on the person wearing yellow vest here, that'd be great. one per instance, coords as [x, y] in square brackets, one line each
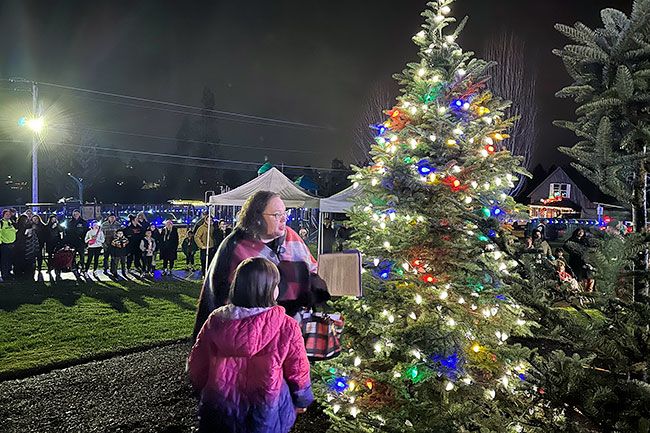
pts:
[7, 240]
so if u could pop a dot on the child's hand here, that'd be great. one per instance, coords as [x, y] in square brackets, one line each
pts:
[300, 410]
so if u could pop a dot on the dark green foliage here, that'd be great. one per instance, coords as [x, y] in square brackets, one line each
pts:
[592, 350]
[611, 79]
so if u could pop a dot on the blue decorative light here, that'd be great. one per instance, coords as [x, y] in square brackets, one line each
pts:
[338, 384]
[496, 211]
[449, 366]
[491, 233]
[424, 167]
[457, 103]
[380, 128]
[383, 270]
[501, 297]
[522, 376]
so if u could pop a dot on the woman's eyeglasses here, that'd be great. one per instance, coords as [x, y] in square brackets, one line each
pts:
[278, 215]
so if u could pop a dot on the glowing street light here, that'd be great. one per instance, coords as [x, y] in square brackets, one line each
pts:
[36, 125]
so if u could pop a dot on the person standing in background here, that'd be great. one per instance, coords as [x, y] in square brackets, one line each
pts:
[53, 240]
[109, 227]
[134, 232]
[75, 234]
[39, 230]
[119, 250]
[95, 240]
[329, 236]
[221, 233]
[147, 247]
[189, 249]
[168, 246]
[7, 241]
[205, 242]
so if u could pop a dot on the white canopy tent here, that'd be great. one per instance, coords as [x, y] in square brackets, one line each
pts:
[273, 180]
[341, 202]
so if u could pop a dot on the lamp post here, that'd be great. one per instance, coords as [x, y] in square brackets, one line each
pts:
[36, 124]
[79, 181]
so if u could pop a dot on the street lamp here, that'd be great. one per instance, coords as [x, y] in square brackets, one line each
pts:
[80, 186]
[36, 124]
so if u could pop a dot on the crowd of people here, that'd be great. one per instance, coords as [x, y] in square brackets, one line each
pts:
[29, 245]
[568, 261]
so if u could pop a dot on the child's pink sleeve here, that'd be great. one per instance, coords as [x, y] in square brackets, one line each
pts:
[296, 368]
[198, 363]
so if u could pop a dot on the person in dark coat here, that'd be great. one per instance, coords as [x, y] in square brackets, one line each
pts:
[75, 235]
[577, 246]
[25, 249]
[189, 248]
[39, 229]
[222, 231]
[168, 246]
[343, 235]
[329, 236]
[53, 239]
[134, 232]
[156, 234]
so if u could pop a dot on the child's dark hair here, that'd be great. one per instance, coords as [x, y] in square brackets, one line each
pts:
[254, 283]
[119, 231]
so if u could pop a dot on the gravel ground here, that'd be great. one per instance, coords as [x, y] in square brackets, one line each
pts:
[141, 392]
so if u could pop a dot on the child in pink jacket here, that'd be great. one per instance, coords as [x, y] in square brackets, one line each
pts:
[249, 361]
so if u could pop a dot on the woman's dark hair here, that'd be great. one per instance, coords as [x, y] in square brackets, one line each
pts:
[49, 220]
[250, 217]
[22, 222]
[574, 235]
[40, 220]
[254, 283]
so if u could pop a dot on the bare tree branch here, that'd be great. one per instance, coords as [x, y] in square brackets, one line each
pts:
[514, 79]
[379, 99]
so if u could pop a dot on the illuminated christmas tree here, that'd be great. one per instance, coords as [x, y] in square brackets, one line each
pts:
[427, 347]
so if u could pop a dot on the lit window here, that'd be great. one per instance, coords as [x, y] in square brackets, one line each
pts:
[560, 190]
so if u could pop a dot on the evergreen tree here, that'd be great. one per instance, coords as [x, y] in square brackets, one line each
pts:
[610, 67]
[592, 350]
[427, 347]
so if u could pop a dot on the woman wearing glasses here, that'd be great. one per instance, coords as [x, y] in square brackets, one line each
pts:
[262, 231]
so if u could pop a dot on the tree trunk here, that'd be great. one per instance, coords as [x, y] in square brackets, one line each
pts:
[640, 221]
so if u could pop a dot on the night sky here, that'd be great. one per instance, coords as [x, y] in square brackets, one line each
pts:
[312, 62]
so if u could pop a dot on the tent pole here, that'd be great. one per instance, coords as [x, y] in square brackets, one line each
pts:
[320, 232]
[207, 251]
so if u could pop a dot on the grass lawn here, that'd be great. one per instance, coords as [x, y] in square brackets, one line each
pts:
[44, 325]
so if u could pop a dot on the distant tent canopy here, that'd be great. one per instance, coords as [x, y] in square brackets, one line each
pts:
[307, 184]
[264, 168]
[340, 202]
[272, 180]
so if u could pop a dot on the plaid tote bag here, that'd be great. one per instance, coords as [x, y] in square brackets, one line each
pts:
[321, 332]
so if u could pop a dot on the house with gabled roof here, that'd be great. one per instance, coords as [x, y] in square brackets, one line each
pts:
[565, 193]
